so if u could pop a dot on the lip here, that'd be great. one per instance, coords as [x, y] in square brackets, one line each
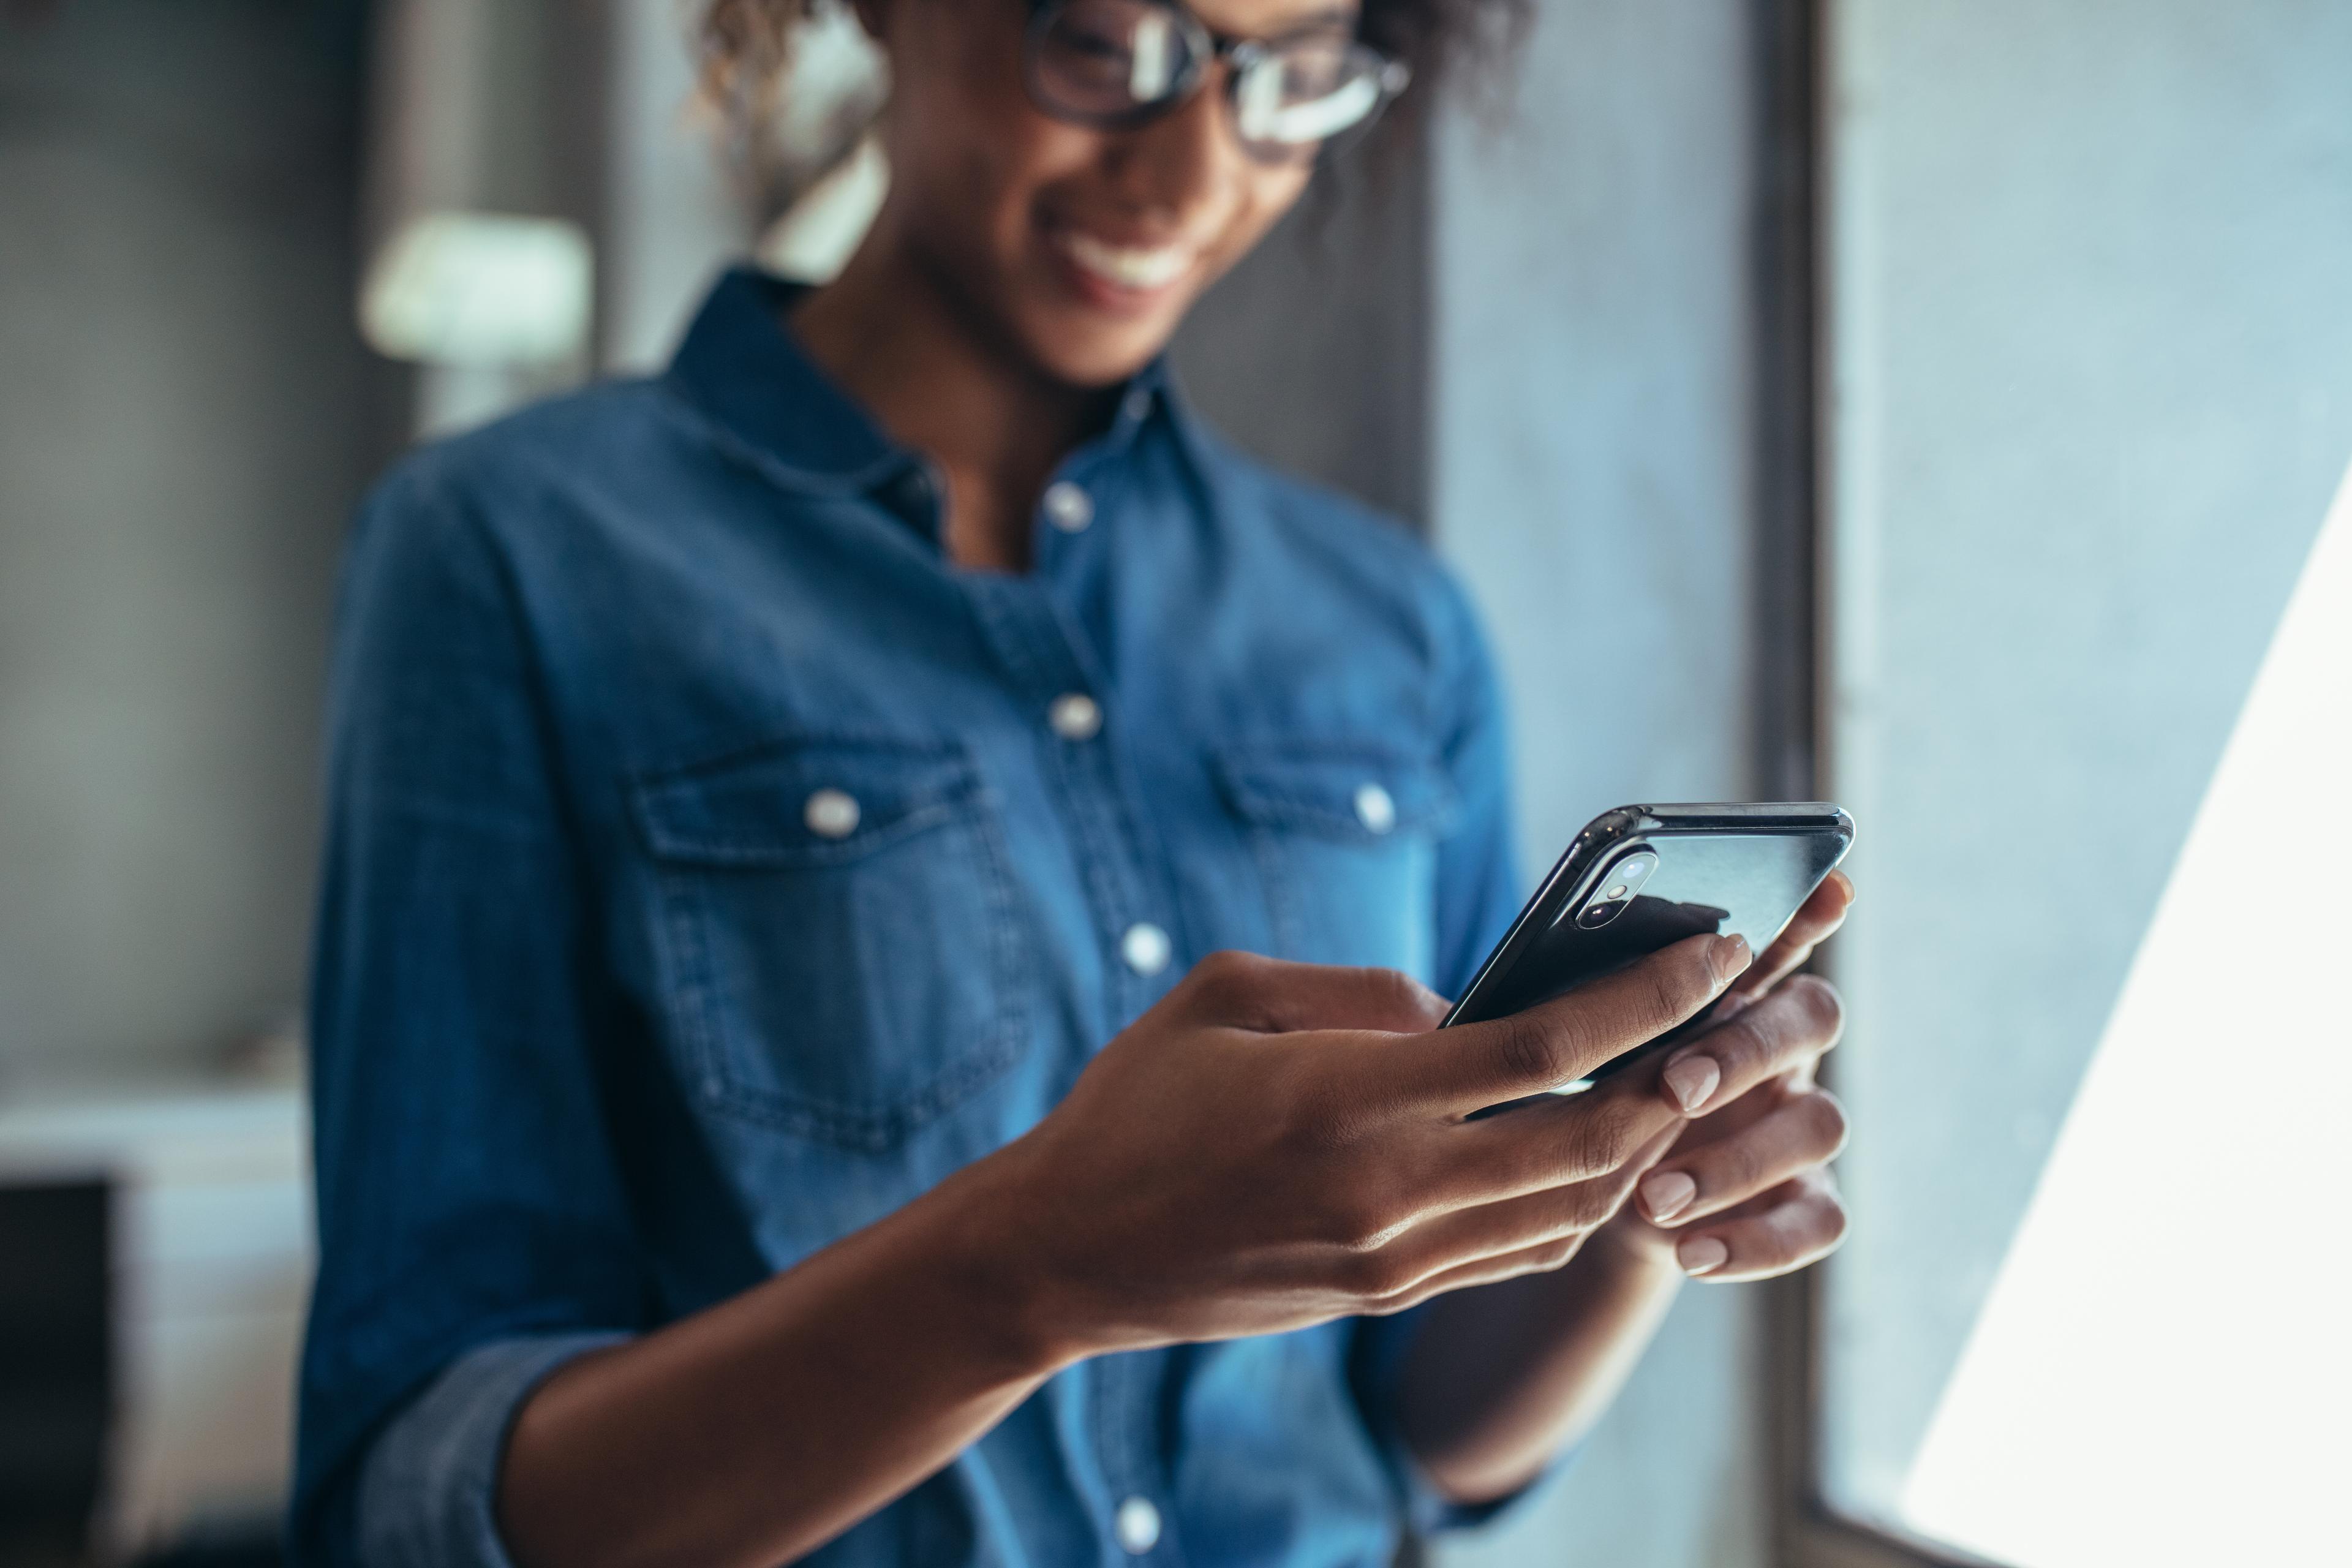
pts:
[1139, 287]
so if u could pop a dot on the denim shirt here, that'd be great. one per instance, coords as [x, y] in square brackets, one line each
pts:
[713, 866]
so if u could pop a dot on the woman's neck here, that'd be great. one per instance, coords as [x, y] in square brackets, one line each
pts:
[892, 334]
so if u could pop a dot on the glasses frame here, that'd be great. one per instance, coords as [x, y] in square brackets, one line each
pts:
[1206, 48]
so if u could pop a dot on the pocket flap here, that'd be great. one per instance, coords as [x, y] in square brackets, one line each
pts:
[1360, 793]
[804, 801]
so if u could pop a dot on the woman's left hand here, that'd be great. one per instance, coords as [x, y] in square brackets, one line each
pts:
[1746, 1192]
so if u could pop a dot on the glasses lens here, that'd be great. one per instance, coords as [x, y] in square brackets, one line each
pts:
[1106, 59]
[1292, 97]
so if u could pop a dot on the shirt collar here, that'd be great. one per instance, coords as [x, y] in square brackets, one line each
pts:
[740, 365]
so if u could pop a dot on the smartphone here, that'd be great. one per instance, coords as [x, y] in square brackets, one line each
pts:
[1644, 877]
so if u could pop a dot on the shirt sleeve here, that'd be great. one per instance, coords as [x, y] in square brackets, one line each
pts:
[1478, 896]
[472, 1223]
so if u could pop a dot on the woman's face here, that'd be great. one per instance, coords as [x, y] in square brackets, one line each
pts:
[1077, 251]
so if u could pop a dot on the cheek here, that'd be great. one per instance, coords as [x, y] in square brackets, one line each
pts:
[1265, 194]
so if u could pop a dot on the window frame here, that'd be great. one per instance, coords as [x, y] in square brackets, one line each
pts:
[1789, 63]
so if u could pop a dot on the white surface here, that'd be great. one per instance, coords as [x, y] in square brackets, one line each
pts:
[2160, 1374]
[213, 1253]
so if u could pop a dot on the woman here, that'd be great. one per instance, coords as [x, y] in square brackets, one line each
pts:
[787, 1081]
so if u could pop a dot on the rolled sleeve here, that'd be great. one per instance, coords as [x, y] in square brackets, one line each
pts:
[428, 1491]
[474, 1226]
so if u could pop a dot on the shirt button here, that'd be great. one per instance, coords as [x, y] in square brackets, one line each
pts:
[1067, 507]
[1147, 951]
[1136, 405]
[1075, 716]
[1138, 1525]
[831, 813]
[1375, 808]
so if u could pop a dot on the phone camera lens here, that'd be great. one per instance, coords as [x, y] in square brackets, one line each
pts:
[1599, 913]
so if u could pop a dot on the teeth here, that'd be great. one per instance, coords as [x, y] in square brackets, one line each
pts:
[1128, 268]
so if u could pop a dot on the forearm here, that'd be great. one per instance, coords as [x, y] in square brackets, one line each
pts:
[1499, 1378]
[753, 1432]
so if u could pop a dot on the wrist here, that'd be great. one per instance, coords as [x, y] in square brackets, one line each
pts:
[984, 1232]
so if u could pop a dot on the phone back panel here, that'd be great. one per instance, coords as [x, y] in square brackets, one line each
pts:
[1723, 869]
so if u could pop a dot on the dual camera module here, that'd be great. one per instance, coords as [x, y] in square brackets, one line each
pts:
[1613, 891]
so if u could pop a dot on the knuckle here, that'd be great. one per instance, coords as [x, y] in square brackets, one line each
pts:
[1377, 1276]
[1527, 1051]
[1223, 978]
[1594, 1203]
[1824, 1009]
[1826, 1123]
[1605, 1140]
[1738, 1168]
[1357, 1220]
[1557, 1254]
[1395, 992]
[1669, 989]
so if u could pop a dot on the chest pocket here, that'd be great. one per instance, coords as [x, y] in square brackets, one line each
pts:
[1346, 840]
[841, 951]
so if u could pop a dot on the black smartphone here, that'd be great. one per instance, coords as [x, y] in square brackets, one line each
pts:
[1644, 877]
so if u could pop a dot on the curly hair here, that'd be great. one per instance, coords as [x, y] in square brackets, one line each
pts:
[746, 46]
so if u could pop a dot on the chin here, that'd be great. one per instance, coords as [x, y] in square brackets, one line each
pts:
[1080, 348]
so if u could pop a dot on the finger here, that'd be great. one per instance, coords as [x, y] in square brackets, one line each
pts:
[1804, 1132]
[1540, 1258]
[1795, 1223]
[1528, 1216]
[1272, 996]
[1552, 1141]
[1822, 913]
[1474, 1066]
[1782, 1033]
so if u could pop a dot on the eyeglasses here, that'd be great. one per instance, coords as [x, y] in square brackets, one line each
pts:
[1115, 64]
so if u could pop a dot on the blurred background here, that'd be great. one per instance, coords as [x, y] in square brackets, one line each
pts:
[1939, 405]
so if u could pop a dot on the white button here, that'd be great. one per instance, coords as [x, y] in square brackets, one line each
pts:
[1067, 507]
[1137, 404]
[1375, 809]
[1145, 947]
[831, 813]
[1138, 1524]
[1075, 716]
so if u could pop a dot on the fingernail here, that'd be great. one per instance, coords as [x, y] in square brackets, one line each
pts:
[1666, 1194]
[1702, 1255]
[1730, 957]
[1691, 1080]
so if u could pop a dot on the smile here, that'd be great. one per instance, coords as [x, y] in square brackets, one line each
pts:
[1138, 268]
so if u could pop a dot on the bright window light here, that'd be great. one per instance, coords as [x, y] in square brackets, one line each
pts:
[2162, 1371]
[480, 289]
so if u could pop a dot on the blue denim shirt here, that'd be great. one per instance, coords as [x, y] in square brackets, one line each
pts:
[713, 865]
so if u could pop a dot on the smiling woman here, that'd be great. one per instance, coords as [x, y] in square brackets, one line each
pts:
[884, 902]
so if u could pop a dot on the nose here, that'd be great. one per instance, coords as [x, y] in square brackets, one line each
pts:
[1183, 161]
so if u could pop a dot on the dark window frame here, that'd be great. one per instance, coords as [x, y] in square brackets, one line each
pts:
[1789, 63]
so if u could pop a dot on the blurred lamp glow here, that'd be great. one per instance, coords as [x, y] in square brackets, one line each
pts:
[480, 289]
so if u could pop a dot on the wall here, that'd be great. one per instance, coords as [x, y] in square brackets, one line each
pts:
[2094, 373]
[183, 426]
[1590, 431]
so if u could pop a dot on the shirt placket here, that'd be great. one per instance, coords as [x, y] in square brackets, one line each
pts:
[1052, 680]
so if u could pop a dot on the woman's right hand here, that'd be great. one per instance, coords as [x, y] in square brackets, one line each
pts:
[1276, 1144]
